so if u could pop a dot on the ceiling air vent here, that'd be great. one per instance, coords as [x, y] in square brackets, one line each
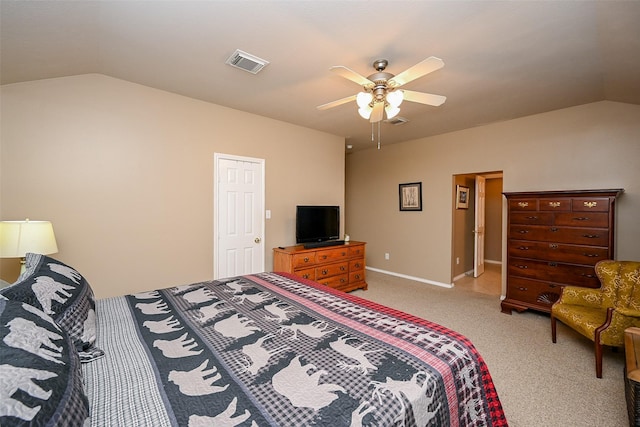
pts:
[397, 121]
[246, 62]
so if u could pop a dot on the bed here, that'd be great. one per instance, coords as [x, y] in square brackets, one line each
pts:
[256, 350]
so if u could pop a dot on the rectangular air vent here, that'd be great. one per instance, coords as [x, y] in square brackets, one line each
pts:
[397, 121]
[246, 62]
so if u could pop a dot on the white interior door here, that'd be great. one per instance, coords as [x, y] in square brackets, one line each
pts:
[479, 228]
[238, 216]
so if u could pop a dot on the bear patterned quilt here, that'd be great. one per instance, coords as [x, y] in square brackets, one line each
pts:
[275, 350]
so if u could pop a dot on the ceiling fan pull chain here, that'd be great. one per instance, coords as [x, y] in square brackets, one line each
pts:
[379, 135]
[372, 138]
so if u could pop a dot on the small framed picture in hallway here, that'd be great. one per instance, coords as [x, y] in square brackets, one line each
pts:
[462, 197]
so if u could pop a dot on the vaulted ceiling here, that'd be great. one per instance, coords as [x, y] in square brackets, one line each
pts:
[503, 59]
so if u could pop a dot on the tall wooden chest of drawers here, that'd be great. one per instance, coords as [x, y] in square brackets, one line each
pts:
[554, 239]
[340, 267]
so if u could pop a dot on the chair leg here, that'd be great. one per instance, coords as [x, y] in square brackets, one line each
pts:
[598, 359]
[553, 329]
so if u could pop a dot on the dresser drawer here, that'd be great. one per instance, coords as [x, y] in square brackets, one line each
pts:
[590, 204]
[533, 292]
[555, 205]
[523, 205]
[356, 276]
[581, 236]
[304, 259]
[573, 254]
[335, 281]
[554, 272]
[582, 219]
[332, 270]
[307, 273]
[329, 255]
[356, 264]
[356, 251]
[532, 218]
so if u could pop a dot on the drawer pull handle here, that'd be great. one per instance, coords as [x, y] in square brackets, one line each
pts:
[553, 245]
[357, 276]
[588, 276]
[305, 276]
[523, 204]
[342, 268]
[553, 264]
[523, 248]
[554, 204]
[590, 204]
[523, 231]
[306, 259]
[531, 217]
[324, 257]
[343, 280]
[591, 236]
[582, 218]
[591, 255]
[523, 289]
[524, 267]
[356, 265]
[554, 229]
[344, 254]
[324, 272]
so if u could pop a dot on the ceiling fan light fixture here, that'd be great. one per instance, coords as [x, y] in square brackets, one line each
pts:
[391, 111]
[363, 99]
[394, 98]
[365, 112]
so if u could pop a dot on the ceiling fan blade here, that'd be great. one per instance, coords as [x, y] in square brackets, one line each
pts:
[377, 113]
[427, 66]
[336, 103]
[349, 74]
[424, 98]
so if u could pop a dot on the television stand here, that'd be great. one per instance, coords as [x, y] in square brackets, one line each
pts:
[340, 267]
[311, 245]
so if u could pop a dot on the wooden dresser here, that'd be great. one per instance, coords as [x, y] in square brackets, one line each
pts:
[340, 267]
[554, 239]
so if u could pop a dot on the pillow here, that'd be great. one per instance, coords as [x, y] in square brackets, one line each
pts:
[61, 292]
[40, 374]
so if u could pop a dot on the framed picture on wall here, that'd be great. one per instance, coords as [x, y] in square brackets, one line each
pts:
[410, 196]
[462, 197]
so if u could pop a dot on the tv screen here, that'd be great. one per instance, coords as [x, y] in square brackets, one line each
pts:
[317, 223]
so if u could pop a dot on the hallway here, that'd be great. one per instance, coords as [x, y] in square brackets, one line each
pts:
[488, 283]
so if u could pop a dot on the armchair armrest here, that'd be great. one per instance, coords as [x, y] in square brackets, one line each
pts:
[629, 312]
[585, 297]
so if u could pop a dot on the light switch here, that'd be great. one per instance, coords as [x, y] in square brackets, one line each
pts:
[268, 214]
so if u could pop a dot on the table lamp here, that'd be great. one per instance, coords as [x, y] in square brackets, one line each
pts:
[19, 237]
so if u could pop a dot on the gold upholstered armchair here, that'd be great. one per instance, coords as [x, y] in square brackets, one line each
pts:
[602, 314]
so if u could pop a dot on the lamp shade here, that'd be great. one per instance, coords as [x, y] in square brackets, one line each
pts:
[19, 237]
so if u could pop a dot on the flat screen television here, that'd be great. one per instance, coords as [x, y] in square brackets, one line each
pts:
[317, 223]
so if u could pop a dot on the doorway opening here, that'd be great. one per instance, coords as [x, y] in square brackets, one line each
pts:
[477, 232]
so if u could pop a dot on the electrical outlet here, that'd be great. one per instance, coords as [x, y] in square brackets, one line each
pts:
[458, 260]
[386, 255]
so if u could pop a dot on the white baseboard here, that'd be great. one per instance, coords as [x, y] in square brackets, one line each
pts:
[417, 279]
[490, 261]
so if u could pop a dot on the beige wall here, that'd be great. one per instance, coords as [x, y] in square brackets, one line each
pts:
[590, 146]
[125, 173]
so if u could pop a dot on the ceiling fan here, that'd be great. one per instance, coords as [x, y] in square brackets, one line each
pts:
[381, 90]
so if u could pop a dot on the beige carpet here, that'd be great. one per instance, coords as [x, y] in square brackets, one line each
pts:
[539, 383]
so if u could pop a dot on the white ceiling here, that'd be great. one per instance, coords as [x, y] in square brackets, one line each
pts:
[503, 59]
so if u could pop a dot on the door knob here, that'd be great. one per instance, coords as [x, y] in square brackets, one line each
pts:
[257, 240]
